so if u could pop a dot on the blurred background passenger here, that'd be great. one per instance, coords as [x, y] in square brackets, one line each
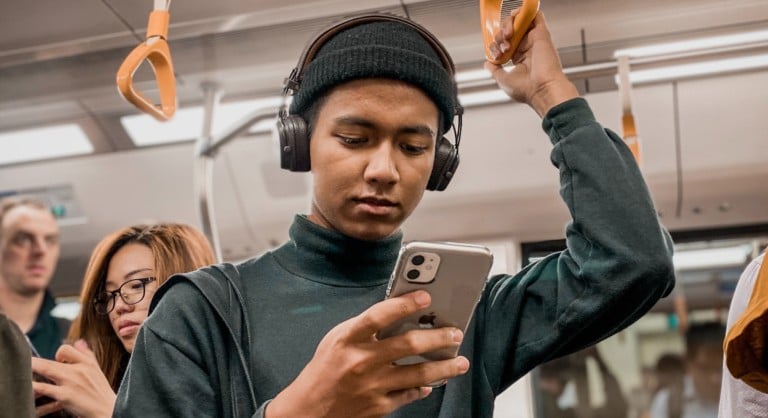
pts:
[701, 382]
[125, 270]
[554, 379]
[641, 395]
[29, 251]
[670, 379]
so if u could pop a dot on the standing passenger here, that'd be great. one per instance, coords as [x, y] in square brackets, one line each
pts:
[125, 270]
[738, 399]
[29, 251]
[292, 333]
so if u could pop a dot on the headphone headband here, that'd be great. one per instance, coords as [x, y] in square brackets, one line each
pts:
[293, 82]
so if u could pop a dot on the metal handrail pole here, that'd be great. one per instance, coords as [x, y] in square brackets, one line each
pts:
[206, 148]
[203, 167]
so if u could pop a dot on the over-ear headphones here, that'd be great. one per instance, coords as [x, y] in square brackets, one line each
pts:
[294, 132]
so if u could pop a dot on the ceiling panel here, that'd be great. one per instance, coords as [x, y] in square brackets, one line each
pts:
[29, 24]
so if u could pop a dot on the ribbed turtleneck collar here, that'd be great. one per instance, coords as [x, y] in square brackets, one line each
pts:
[322, 255]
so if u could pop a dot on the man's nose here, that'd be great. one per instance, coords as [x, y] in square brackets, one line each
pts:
[40, 246]
[382, 167]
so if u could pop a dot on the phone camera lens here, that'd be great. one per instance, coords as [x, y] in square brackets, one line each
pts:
[413, 274]
[417, 260]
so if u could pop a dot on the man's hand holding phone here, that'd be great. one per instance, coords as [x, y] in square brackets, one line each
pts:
[353, 374]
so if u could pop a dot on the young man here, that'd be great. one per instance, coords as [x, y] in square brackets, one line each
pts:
[29, 251]
[292, 333]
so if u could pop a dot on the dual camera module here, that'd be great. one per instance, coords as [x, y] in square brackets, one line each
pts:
[422, 267]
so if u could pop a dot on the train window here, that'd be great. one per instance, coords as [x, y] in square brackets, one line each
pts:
[671, 358]
[66, 307]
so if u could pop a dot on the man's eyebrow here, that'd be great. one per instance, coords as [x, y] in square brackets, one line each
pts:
[366, 123]
[418, 130]
[355, 121]
[33, 233]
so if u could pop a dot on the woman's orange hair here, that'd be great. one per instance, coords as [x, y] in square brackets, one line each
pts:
[177, 248]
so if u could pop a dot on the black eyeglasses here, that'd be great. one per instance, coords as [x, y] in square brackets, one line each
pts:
[131, 292]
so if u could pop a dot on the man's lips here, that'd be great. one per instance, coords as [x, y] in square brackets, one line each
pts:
[375, 201]
[37, 269]
[376, 206]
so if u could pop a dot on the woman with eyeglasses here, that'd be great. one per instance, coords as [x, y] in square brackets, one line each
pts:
[124, 271]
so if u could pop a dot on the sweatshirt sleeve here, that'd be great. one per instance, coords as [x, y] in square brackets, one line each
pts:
[617, 264]
[169, 373]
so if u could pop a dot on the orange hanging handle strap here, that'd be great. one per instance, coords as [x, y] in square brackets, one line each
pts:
[155, 50]
[490, 22]
[627, 118]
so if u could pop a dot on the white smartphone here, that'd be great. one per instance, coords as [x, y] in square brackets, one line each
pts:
[454, 274]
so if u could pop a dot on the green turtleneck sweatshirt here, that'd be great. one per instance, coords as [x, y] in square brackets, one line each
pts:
[226, 339]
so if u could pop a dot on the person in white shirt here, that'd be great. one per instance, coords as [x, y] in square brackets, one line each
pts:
[737, 399]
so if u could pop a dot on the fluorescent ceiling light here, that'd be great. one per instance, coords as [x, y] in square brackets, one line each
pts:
[711, 257]
[472, 75]
[41, 143]
[483, 98]
[187, 123]
[694, 44]
[674, 72]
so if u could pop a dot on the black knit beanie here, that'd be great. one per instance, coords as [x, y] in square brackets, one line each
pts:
[383, 49]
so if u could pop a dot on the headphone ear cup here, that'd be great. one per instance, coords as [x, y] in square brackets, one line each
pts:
[294, 143]
[446, 163]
